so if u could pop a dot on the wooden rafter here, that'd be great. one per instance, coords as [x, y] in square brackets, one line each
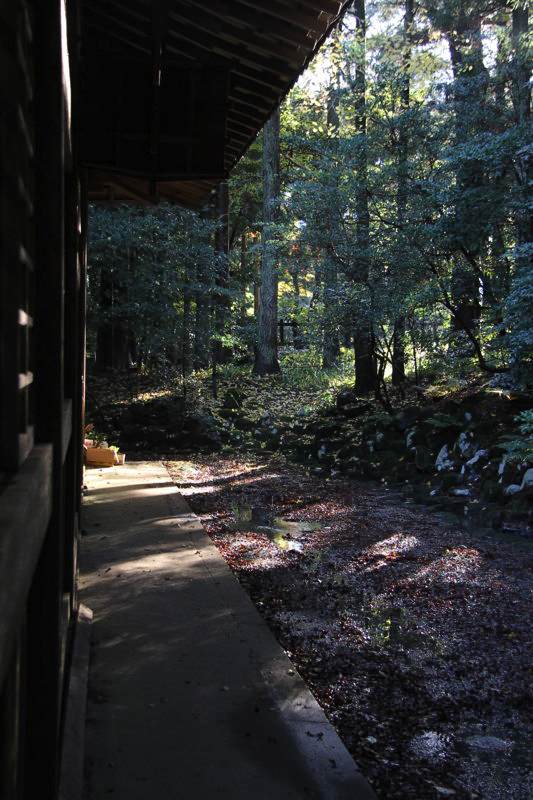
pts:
[265, 20]
[266, 45]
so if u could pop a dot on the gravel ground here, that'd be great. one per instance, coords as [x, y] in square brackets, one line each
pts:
[413, 634]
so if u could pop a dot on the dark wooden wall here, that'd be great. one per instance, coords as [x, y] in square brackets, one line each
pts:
[42, 297]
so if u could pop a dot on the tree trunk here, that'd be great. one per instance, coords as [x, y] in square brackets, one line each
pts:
[466, 53]
[522, 109]
[365, 363]
[346, 331]
[398, 352]
[266, 360]
[243, 314]
[521, 63]
[202, 314]
[121, 345]
[202, 323]
[222, 354]
[113, 337]
[186, 334]
[398, 342]
[500, 273]
[330, 326]
[104, 334]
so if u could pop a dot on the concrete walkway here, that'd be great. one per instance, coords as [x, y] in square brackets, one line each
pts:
[190, 695]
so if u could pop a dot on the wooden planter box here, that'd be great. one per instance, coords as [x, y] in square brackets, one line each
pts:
[100, 457]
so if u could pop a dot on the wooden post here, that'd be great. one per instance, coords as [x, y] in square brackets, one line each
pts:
[45, 606]
[82, 342]
[75, 255]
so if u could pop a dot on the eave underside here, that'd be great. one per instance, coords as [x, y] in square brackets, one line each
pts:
[254, 51]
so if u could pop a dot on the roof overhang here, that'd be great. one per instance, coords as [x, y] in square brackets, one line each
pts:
[173, 92]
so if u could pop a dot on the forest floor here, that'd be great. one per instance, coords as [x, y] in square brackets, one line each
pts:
[412, 630]
[414, 634]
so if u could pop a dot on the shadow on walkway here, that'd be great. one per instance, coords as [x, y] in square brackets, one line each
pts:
[190, 695]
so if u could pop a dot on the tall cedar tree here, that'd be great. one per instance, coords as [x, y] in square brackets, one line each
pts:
[398, 346]
[266, 355]
[330, 334]
[365, 363]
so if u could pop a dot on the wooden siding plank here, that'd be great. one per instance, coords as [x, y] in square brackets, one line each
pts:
[25, 508]
[66, 427]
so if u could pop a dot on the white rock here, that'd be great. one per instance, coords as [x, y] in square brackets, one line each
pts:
[513, 488]
[443, 791]
[475, 458]
[527, 480]
[460, 492]
[443, 460]
[490, 744]
[463, 442]
[430, 745]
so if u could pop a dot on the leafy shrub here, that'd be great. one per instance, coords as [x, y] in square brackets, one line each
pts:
[519, 449]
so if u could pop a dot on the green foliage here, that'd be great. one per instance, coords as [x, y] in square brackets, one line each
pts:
[140, 262]
[443, 163]
[445, 421]
[447, 248]
[301, 389]
[519, 449]
[519, 321]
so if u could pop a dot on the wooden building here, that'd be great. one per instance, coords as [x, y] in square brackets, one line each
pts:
[110, 100]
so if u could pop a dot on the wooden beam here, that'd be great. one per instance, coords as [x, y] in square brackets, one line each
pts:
[265, 20]
[244, 112]
[243, 119]
[140, 12]
[330, 7]
[243, 130]
[251, 75]
[236, 54]
[305, 21]
[103, 31]
[246, 97]
[190, 23]
[117, 22]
